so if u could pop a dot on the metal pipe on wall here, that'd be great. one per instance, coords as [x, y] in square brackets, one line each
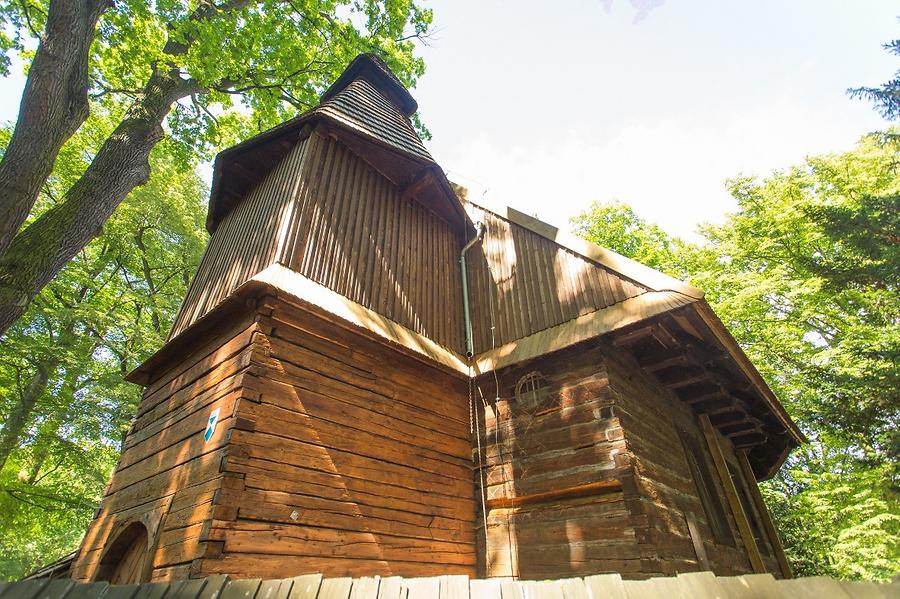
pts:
[479, 234]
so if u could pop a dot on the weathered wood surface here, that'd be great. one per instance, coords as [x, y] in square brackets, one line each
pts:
[654, 422]
[552, 474]
[351, 459]
[698, 585]
[326, 213]
[521, 283]
[168, 475]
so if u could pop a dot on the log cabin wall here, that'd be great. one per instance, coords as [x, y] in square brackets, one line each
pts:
[590, 474]
[660, 430]
[326, 213]
[557, 477]
[521, 283]
[353, 459]
[168, 475]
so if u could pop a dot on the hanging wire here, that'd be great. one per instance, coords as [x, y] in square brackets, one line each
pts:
[482, 476]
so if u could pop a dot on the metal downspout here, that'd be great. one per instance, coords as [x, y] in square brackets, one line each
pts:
[479, 234]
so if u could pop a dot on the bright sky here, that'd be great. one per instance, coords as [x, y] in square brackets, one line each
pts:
[547, 107]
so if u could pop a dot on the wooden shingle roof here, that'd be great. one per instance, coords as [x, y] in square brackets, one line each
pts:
[367, 106]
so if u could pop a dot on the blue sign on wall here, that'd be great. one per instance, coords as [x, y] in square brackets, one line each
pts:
[211, 425]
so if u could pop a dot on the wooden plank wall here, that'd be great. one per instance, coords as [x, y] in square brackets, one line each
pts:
[167, 475]
[329, 215]
[353, 459]
[653, 420]
[556, 475]
[249, 238]
[606, 586]
[523, 283]
[355, 234]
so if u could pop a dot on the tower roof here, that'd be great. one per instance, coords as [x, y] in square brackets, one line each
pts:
[370, 108]
[369, 67]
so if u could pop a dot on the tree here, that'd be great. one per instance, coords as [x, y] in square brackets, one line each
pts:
[616, 226]
[165, 70]
[64, 404]
[886, 97]
[805, 275]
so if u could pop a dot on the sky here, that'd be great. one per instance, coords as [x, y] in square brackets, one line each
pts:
[548, 107]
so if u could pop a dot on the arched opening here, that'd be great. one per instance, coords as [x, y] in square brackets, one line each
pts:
[125, 559]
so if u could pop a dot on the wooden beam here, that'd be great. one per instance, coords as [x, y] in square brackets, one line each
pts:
[718, 393]
[422, 180]
[768, 525]
[700, 377]
[664, 363]
[744, 440]
[665, 337]
[712, 440]
[727, 416]
[697, 540]
[739, 428]
[594, 488]
[632, 337]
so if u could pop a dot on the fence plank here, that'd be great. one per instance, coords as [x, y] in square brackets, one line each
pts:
[484, 589]
[421, 588]
[240, 589]
[606, 586]
[335, 588]
[574, 588]
[364, 588]
[211, 590]
[389, 588]
[454, 587]
[702, 585]
[306, 586]
[814, 587]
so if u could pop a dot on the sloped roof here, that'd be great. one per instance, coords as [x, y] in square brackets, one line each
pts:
[662, 307]
[361, 107]
[368, 104]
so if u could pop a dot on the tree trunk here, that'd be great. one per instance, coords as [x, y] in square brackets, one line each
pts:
[54, 105]
[20, 417]
[43, 248]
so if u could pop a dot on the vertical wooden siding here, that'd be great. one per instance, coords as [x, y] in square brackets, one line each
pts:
[327, 214]
[355, 234]
[522, 283]
[247, 240]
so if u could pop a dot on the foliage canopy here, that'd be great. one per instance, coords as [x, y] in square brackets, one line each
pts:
[805, 275]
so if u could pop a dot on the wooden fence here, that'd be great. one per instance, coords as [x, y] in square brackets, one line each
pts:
[700, 585]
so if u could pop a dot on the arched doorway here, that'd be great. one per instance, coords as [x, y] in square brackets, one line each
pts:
[125, 560]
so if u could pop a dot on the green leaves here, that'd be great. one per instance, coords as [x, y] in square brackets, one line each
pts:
[805, 276]
[105, 313]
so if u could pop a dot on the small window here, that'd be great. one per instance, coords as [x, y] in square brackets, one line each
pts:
[707, 491]
[531, 391]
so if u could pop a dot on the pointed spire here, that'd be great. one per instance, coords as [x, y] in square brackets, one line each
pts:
[379, 75]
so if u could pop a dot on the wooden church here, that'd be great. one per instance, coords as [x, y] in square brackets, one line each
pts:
[371, 375]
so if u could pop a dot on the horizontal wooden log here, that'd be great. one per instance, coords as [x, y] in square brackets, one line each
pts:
[244, 565]
[332, 461]
[594, 488]
[298, 540]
